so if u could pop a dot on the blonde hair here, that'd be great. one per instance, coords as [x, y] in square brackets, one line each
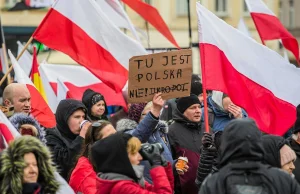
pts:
[133, 145]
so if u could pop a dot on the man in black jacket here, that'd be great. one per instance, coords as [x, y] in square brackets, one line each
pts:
[241, 165]
[66, 139]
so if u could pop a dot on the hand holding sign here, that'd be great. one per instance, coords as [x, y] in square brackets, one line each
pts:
[158, 103]
[169, 73]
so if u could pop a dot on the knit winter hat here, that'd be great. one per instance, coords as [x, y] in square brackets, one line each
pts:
[185, 102]
[297, 123]
[135, 111]
[287, 155]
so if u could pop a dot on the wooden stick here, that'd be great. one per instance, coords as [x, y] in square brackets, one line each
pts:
[19, 56]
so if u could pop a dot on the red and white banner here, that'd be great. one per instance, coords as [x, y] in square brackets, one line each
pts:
[39, 108]
[254, 76]
[81, 30]
[269, 26]
[74, 80]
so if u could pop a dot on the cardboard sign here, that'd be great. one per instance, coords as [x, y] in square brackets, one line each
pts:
[169, 73]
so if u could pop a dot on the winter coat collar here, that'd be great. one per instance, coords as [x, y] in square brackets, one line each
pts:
[241, 141]
[180, 118]
[12, 165]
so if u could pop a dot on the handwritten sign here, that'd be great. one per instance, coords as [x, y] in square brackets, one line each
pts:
[168, 72]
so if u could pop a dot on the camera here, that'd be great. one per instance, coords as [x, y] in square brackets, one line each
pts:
[147, 149]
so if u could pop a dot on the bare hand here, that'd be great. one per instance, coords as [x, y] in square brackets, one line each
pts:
[185, 169]
[158, 103]
[235, 110]
[84, 128]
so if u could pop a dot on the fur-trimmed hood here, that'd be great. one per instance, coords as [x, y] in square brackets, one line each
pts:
[20, 119]
[12, 166]
[128, 124]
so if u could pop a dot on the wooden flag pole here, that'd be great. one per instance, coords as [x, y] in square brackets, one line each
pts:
[6, 61]
[19, 56]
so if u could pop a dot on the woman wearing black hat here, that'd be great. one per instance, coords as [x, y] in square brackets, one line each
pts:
[95, 104]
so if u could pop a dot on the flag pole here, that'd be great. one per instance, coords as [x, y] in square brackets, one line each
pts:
[19, 56]
[202, 65]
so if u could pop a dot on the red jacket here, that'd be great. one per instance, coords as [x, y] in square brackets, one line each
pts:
[83, 177]
[159, 175]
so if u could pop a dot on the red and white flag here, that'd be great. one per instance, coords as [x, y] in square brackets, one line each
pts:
[151, 15]
[74, 80]
[7, 129]
[39, 108]
[254, 76]
[269, 26]
[25, 60]
[81, 30]
[116, 13]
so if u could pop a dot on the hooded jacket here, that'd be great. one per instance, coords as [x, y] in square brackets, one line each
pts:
[83, 177]
[117, 175]
[19, 119]
[12, 166]
[221, 118]
[272, 145]
[87, 101]
[242, 151]
[185, 140]
[296, 147]
[158, 135]
[64, 145]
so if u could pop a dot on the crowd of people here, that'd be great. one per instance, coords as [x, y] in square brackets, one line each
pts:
[155, 147]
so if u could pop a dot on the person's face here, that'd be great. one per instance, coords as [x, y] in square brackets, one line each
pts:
[74, 121]
[289, 167]
[200, 97]
[107, 131]
[135, 158]
[193, 113]
[31, 171]
[98, 109]
[21, 100]
[226, 102]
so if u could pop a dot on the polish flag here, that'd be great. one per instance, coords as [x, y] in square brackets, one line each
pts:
[7, 129]
[81, 30]
[150, 14]
[25, 60]
[39, 108]
[254, 76]
[115, 12]
[243, 27]
[269, 26]
[73, 81]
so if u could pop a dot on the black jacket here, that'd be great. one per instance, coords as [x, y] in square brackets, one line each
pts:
[296, 147]
[241, 150]
[185, 140]
[64, 145]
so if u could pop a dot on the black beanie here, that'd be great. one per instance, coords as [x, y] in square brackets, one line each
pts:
[297, 123]
[185, 102]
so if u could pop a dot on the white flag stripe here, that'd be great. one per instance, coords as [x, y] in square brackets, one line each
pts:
[249, 61]
[110, 34]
